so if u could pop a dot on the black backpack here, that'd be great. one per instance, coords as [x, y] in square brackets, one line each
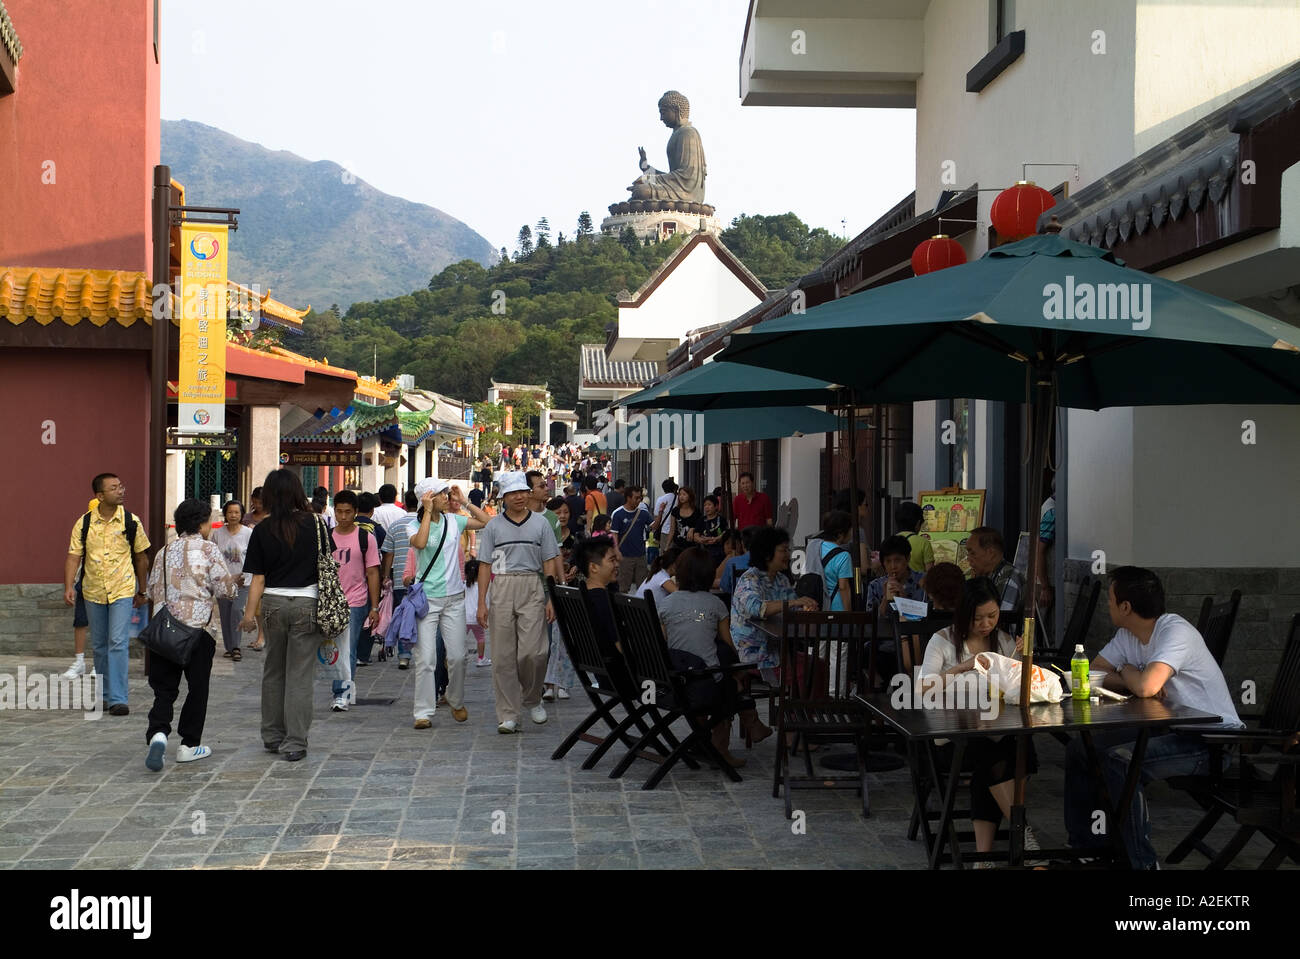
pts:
[128, 532]
[823, 598]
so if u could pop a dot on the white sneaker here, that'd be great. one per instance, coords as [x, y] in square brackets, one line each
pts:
[78, 668]
[482, 661]
[157, 747]
[538, 714]
[548, 696]
[509, 726]
[561, 693]
[1031, 845]
[187, 754]
[340, 704]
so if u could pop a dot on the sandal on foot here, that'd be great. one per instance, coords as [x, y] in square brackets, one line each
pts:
[236, 655]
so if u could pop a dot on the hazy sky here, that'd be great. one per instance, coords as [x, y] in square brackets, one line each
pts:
[499, 113]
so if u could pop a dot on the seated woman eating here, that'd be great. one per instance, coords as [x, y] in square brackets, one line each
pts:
[990, 761]
[697, 628]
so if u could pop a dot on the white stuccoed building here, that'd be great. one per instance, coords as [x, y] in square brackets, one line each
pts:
[1170, 133]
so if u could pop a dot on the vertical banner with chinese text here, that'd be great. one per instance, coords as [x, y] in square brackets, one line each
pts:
[510, 421]
[201, 389]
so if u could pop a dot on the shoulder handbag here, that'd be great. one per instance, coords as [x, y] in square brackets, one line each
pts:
[332, 613]
[166, 635]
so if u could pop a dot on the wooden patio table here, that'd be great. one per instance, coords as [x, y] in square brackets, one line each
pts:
[921, 727]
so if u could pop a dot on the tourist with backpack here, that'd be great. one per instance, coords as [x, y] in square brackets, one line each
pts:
[108, 545]
[594, 502]
[837, 561]
[357, 553]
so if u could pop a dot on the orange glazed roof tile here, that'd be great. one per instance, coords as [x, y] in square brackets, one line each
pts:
[46, 294]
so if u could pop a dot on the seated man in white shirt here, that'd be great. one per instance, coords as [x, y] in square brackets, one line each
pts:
[1153, 654]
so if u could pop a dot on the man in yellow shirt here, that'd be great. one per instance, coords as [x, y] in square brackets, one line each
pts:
[114, 573]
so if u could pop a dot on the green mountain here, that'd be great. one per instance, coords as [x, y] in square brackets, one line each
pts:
[313, 232]
[524, 319]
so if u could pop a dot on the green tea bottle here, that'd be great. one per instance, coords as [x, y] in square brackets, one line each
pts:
[1080, 687]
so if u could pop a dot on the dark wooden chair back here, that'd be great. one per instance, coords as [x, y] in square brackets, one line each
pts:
[821, 654]
[641, 637]
[1215, 624]
[1076, 630]
[589, 650]
[912, 637]
[576, 631]
[1282, 712]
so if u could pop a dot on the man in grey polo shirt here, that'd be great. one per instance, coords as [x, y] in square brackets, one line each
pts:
[516, 550]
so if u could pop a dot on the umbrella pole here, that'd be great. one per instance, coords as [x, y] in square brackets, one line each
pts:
[853, 497]
[726, 485]
[1041, 411]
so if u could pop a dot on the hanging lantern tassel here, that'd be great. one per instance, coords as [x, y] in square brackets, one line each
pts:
[937, 253]
[1016, 210]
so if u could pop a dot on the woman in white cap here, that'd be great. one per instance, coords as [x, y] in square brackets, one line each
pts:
[517, 549]
[441, 520]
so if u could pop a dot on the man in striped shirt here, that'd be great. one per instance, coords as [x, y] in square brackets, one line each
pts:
[516, 550]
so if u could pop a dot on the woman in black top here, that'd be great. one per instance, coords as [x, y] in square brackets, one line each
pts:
[688, 521]
[282, 556]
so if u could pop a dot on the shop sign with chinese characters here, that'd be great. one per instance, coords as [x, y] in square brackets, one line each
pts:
[202, 380]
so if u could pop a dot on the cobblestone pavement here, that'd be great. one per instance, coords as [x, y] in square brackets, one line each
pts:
[375, 793]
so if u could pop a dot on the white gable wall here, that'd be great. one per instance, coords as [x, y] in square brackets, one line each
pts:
[700, 290]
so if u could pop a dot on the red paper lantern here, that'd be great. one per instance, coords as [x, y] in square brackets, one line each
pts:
[1016, 210]
[937, 253]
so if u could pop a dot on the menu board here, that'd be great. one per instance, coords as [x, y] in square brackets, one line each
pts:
[950, 516]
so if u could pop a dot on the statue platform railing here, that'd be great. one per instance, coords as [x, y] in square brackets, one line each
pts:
[659, 206]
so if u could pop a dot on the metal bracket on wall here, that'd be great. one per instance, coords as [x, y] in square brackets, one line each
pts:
[182, 214]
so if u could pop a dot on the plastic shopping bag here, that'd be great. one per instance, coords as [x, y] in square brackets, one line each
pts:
[1004, 675]
[332, 658]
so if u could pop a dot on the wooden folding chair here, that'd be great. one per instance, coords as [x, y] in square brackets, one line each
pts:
[664, 689]
[1278, 728]
[604, 678]
[821, 654]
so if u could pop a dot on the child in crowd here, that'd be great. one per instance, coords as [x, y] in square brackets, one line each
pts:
[471, 612]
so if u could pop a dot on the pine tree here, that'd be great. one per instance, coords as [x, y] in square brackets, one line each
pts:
[584, 224]
[525, 243]
[543, 232]
[505, 257]
[627, 237]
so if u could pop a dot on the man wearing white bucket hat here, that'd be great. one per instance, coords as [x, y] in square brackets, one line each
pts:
[516, 551]
[436, 541]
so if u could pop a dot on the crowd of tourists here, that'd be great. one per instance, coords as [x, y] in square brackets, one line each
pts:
[444, 578]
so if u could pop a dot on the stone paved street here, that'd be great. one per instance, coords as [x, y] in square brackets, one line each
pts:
[375, 793]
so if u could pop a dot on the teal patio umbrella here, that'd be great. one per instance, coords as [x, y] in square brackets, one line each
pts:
[734, 386]
[673, 427]
[1043, 321]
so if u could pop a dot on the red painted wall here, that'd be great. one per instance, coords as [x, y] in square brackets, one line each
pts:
[99, 402]
[87, 100]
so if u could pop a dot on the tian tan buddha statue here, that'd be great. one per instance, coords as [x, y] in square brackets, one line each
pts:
[686, 169]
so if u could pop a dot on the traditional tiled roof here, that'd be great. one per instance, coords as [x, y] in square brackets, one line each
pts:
[415, 425]
[598, 370]
[273, 311]
[46, 294]
[364, 419]
[375, 389]
[9, 36]
[316, 365]
[1200, 163]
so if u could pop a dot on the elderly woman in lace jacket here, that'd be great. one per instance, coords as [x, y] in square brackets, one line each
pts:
[189, 576]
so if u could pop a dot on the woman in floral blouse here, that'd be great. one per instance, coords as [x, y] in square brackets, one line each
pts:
[759, 595]
[189, 576]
